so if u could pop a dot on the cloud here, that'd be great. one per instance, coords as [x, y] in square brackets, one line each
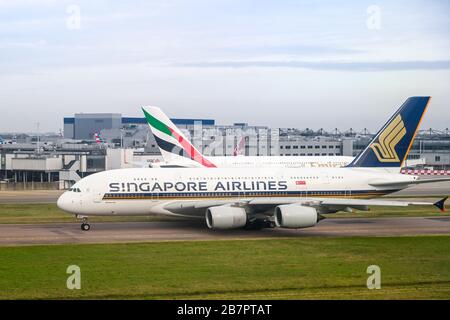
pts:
[326, 65]
[21, 44]
[286, 48]
[16, 3]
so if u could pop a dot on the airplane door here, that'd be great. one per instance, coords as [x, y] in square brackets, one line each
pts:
[154, 196]
[324, 185]
[240, 194]
[326, 178]
[78, 199]
[98, 196]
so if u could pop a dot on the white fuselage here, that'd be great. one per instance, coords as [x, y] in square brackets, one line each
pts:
[267, 162]
[148, 191]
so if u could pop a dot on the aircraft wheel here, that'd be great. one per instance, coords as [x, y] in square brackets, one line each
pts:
[85, 226]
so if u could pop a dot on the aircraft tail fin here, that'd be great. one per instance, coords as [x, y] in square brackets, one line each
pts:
[390, 146]
[174, 146]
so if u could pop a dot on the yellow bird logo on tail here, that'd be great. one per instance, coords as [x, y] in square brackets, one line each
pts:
[384, 149]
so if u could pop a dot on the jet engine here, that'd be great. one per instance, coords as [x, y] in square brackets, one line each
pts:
[296, 216]
[226, 217]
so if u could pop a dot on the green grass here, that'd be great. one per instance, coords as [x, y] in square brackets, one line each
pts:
[45, 213]
[308, 268]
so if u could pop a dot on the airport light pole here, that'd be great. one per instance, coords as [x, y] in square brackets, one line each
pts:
[121, 138]
[38, 138]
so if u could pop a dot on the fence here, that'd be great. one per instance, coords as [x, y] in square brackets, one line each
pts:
[21, 186]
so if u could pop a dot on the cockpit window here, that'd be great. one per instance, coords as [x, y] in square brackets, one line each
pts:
[74, 190]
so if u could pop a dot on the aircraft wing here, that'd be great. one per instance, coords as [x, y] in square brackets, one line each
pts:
[339, 204]
[200, 204]
[266, 204]
[403, 183]
[345, 202]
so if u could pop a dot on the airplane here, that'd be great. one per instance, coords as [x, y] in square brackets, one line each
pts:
[228, 198]
[178, 151]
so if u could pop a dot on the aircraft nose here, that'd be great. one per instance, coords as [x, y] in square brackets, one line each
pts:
[64, 202]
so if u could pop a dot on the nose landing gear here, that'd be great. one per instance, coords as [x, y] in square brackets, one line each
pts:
[85, 226]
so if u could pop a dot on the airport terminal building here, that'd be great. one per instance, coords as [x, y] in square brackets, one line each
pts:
[211, 139]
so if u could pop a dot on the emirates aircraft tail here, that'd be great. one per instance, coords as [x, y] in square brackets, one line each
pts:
[174, 146]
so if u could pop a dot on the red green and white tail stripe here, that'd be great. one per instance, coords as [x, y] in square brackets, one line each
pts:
[174, 146]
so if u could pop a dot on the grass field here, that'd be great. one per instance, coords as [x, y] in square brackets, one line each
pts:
[44, 213]
[308, 268]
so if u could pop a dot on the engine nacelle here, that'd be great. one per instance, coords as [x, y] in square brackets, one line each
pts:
[295, 216]
[226, 217]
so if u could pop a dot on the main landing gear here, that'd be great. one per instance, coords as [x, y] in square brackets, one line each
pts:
[85, 226]
[259, 224]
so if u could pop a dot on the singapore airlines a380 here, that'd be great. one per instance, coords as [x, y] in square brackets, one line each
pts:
[228, 198]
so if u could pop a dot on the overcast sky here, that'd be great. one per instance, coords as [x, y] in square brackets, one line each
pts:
[315, 64]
